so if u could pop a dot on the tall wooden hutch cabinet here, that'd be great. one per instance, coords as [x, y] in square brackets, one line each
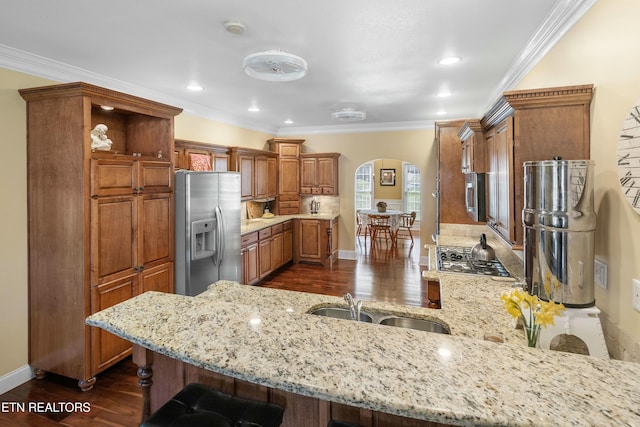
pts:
[100, 222]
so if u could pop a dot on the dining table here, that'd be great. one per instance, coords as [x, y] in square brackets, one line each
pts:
[394, 219]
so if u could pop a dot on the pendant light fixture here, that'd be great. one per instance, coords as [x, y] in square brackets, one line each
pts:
[275, 66]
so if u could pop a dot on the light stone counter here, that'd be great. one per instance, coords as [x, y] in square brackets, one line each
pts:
[255, 224]
[265, 336]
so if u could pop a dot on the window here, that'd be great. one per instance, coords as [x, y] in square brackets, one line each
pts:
[364, 188]
[411, 180]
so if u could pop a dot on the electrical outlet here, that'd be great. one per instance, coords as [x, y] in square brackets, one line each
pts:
[635, 288]
[600, 273]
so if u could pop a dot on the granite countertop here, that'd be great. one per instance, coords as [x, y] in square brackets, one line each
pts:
[255, 224]
[265, 336]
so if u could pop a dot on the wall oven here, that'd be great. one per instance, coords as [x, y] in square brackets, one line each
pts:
[475, 201]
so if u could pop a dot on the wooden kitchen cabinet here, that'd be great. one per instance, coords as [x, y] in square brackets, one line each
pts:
[258, 172]
[250, 259]
[473, 147]
[530, 125]
[315, 241]
[450, 183]
[266, 177]
[100, 223]
[265, 250]
[287, 242]
[319, 173]
[288, 194]
[217, 154]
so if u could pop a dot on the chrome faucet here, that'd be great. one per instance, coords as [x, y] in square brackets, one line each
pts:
[354, 307]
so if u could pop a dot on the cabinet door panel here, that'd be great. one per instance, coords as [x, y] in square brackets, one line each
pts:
[155, 176]
[250, 264]
[155, 229]
[272, 177]
[326, 172]
[246, 179]
[287, 245]
[111, 177]
[112, 236]
[277, 245]
[308, 173]
[262, 177]
[108, 348]
[159, 279]
[310, 243]
[289, 177]
[265, 257]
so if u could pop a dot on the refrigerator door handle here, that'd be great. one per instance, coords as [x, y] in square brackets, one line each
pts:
[219, 237]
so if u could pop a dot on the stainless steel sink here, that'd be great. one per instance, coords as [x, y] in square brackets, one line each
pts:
[340, 313]
[412, 323]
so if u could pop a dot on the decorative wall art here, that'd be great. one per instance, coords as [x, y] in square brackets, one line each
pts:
[387, 177]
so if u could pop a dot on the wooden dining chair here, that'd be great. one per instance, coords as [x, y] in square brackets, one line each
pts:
[406, 223]
[363, 228]
[380, 225]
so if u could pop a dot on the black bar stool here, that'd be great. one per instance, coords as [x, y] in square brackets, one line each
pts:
[197, 405]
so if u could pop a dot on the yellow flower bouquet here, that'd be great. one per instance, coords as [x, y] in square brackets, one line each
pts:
[534, 312]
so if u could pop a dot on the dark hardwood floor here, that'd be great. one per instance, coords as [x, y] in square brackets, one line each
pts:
[382, 274]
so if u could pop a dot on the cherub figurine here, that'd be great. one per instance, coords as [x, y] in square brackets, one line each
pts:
[99, 139]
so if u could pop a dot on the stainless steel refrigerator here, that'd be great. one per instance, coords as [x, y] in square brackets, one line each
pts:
[207, 216]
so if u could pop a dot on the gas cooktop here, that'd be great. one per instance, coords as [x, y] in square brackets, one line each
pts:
[457, 259]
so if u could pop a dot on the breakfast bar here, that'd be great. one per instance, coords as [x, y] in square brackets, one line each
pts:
[266, 339]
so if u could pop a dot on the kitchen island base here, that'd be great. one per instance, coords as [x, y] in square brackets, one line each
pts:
[161, 377]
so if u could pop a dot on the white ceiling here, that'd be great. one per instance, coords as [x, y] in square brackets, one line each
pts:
[377, 55]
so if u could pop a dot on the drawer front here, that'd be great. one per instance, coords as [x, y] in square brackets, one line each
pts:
[264, 233]
[248, 239]
[288, 225]
[288, 198]
[289, 211]
[289, 204]
[276, 229]
[305, 190]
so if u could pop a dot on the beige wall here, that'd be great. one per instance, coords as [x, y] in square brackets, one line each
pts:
[13, 219]
[601, 49]
[415, 147]
[388, 191]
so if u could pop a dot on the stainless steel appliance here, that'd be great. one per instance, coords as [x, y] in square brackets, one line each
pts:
[559, 230]
[458, 259]
[475, 201]
[207, 231]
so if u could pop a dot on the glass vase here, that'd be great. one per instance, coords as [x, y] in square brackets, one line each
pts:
[532, 334]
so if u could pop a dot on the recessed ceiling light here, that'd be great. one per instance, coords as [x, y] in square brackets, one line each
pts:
[450, 60]
[444, 94]
[253, 109]
[194, 87]
[288, 122]
[441, 113]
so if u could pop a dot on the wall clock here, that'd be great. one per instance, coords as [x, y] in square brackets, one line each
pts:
[628, 154]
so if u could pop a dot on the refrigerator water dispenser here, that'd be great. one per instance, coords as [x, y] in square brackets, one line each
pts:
[203, 238]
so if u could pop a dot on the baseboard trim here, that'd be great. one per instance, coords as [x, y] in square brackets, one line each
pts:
[15, 378]
[344, 254]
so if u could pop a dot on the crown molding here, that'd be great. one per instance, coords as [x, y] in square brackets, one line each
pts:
[562, 17]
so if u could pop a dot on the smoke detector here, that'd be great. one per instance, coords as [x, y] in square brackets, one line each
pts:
[234, 27]
[348, 115]
[275, 66]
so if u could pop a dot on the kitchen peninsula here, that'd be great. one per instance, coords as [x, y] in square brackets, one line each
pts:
[265, 339]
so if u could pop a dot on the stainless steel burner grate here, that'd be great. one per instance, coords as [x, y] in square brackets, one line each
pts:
[457, 259]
